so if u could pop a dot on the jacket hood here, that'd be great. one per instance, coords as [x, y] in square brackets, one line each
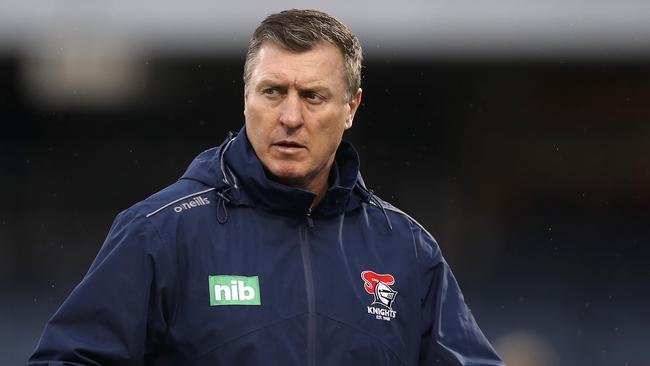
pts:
[237, 174]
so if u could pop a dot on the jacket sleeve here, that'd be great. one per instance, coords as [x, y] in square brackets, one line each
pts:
[112, 316]
[450, 335]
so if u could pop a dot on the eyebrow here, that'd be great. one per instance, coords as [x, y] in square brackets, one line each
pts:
[313, 86]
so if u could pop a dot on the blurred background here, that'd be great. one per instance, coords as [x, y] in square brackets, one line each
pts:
[517, 132]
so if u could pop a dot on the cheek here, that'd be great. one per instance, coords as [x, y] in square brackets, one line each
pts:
[259, 115]
[335, 126]
[331, 132]
[254, 129]
[332, 120]
[254, 117]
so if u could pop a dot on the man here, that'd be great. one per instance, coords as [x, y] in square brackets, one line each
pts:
[270, 249]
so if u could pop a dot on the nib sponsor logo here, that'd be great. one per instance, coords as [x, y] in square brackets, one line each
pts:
[196, 202]
[234, 290]
[378, 285]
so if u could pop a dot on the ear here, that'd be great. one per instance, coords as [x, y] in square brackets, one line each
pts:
[245, 96]
[354, 103]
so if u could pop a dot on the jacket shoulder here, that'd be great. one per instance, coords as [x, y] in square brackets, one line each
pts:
[397, 217]
[179, 194]
[426, 246]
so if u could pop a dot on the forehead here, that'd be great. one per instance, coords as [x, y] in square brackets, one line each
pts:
[321, 64]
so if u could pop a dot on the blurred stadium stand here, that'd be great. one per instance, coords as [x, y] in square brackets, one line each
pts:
[518, 133]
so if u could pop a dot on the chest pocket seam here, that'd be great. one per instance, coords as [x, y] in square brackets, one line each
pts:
[370, 335]
[230, 340]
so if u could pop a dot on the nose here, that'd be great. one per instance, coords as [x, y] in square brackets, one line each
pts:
[291, 113]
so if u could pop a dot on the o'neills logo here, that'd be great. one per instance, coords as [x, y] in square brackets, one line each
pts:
[197, 201]
[378, 285]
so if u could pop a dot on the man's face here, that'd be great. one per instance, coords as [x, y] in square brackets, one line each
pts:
[296, 111]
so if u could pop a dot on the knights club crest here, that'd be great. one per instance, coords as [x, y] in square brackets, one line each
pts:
[378, 285]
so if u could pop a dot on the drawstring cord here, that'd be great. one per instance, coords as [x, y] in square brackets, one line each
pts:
[222, 210]
[229, 179]
[372, 199]
[383, 210]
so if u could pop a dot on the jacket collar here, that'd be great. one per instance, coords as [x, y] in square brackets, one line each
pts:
[235, 168]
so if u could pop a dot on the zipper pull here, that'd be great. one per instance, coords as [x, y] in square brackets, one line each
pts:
[310, 221]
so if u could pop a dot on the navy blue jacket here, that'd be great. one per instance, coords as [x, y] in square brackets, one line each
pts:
[226, 267]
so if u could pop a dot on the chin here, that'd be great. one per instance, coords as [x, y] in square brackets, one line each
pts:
[286, 174]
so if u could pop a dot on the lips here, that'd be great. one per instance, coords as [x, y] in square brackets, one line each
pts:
[288, 144]
[287, 147]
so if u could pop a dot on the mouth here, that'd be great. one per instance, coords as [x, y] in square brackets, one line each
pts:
[289, 147]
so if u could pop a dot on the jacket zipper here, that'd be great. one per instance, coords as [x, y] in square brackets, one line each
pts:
[310, 221]
[309, 285]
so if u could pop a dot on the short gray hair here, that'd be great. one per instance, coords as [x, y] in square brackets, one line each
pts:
[301, 30]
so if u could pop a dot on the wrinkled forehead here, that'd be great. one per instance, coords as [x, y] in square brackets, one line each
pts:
[322, 63]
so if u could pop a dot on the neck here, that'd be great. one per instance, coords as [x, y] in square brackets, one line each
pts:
[317, 184]
[319, 188]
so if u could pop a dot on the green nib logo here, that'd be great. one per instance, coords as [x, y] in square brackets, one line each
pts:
[234, 290]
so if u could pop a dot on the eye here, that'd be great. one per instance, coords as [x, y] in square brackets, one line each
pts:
[313, 97]
[271, 92]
